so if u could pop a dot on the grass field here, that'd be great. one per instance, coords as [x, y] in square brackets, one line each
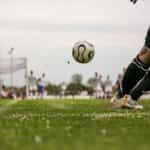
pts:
[72, 125]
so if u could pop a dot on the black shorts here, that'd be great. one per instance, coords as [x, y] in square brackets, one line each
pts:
[147, 39]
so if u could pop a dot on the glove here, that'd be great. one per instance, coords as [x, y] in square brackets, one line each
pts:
[133, 1]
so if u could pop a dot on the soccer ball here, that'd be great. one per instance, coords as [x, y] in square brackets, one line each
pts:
[83, 52]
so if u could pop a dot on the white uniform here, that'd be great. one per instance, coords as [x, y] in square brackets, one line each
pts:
[99, 93]
[3, 94]
[108, 86]
[32, 83]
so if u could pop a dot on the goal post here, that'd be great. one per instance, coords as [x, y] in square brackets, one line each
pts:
[9, 72]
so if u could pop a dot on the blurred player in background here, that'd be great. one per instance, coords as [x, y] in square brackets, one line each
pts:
[108, 87]
[98, 86]
[32, 84]
[41, 86]
[116, 86]
[3, 92]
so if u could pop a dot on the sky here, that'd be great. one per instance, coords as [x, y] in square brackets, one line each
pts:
[44, 31]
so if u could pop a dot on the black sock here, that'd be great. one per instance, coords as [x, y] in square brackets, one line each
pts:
[142, 86]
[147, 39]
[134, 73]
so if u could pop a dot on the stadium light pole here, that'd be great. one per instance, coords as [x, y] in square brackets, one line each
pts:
[11, 65]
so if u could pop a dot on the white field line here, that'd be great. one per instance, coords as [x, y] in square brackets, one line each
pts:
[122, 115]
[95, 116]
[7, 106]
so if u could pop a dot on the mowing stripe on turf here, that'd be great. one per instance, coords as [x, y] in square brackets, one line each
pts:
[7, 106]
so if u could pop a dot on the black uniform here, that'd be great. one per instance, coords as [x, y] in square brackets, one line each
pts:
[137, 76]
[147, 39]
[136, 79]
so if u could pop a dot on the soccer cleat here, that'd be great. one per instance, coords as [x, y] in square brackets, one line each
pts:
[124, 101]
[127, 102]
[137, 106]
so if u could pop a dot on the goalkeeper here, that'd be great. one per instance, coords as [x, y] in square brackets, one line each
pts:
[136, 79]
